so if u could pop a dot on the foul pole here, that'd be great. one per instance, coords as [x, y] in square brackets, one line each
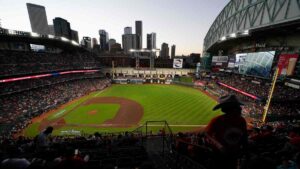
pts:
[266, 108]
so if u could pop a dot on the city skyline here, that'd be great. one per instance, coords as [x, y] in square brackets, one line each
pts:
[183, 23]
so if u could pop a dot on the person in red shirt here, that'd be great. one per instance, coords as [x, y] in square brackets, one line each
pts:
[227, 133]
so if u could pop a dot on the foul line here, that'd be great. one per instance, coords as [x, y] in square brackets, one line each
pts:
[59, 113]
[98, 93]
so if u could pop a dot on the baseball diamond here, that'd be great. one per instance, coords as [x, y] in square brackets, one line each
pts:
[126, 107]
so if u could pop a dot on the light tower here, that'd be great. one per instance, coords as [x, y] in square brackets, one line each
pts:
[152, 53]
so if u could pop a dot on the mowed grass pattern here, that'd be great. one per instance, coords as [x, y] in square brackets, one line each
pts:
[178, 105]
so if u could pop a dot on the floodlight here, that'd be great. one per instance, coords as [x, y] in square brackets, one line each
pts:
[233, 35]
[64, 39]
[246, 32]
[74, 43]
[51, 36]
[32, 34]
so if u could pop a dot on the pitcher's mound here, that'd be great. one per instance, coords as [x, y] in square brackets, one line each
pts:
[93, 112]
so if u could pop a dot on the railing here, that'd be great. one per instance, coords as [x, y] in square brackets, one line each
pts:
[158, 130]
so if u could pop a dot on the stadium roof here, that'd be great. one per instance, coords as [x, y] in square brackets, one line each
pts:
[241, 17]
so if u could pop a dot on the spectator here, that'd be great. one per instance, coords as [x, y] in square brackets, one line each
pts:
[42, 140]
[13, 162]
[227, 133]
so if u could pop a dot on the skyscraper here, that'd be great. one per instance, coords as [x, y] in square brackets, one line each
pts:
[151, 41]
[94, 42]
[74, 35]
[173, 48]
[51, 30]
[164, 53]
[139, 34]
[103, 40]
[110, 43]
[127, 30]
[38, 19]
[86, 42]
[128, 42]
[62, 28]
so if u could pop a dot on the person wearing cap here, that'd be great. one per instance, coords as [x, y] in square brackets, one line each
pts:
[227, 133]
[42, 140]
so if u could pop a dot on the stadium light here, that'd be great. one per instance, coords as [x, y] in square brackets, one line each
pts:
[64, 39]
[51, 36]
[131, 50]
[155, 50]
[233, 35]
[223, 38]
[32, 34]
[74, 43]
[246, 32]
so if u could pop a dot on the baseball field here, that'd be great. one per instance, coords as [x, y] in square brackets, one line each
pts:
[126, 107]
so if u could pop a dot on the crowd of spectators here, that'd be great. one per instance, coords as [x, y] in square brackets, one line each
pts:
[18, 86]
[19, 108]
[20, 62]
[60, 152]
[269, 147]
[285, 101]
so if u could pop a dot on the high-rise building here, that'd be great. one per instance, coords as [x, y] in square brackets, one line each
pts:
[195, 57]
[103, 40]
[139, 34]
[51, 29]
[128, 42]
[110, 43]
[115, 48]
[127, 30]
[151, 41]
[164, 53]
[94, 42]
[74, 35]
[173, 48]
[38, 19]
[86, 42]
[62, 28]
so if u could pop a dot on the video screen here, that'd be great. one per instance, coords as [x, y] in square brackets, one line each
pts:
[255, 64]
[37, 48]
[177, 63]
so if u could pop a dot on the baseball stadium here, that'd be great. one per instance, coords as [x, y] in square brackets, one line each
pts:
[103, 106]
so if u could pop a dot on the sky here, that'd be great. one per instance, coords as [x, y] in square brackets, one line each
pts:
[180, 22]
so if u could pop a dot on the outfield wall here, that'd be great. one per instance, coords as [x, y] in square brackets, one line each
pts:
[144, 72]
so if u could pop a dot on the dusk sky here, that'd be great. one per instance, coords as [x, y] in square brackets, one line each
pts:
[180, 22]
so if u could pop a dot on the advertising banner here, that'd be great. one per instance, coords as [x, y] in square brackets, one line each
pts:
[287, 64]
[220, 59]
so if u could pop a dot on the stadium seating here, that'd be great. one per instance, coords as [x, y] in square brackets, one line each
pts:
[19, 63]
[285, 100]
[20, 107]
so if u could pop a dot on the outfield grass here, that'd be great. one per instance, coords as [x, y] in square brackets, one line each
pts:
[186, 79]
[178, 105]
